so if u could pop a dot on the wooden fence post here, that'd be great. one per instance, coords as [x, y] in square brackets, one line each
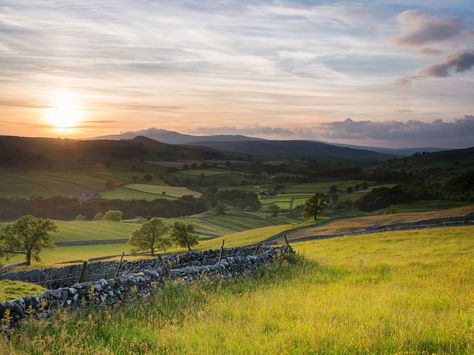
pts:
[286, 241]
[222, 250]
[119, 265]
[82, 275]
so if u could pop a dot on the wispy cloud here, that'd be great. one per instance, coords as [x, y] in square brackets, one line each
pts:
[182, 65]
[457, 62]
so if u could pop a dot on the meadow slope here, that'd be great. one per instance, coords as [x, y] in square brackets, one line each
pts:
[393, 292]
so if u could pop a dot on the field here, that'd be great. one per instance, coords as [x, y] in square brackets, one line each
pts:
[9, 290]
[67, 182]
[396, 292]
[346, 225]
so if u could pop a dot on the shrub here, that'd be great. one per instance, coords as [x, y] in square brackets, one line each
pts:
[112, 215]
[98, 216]
[81, 217]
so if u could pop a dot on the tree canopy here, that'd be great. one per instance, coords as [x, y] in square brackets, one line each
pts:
[28, 235]
[182, 235]
[152, 235]
[315, 204]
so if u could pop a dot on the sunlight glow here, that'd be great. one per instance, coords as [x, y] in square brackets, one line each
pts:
[64, 112]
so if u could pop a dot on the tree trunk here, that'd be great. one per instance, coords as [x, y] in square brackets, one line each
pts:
[152, 249]
[315, 213]
[189, 246]
[28, 258]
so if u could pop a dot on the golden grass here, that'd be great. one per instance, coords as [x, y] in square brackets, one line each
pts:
[397, 292]
[353, 224]
[10, 290]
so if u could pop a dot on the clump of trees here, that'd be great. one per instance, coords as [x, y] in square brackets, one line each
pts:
[154, 236]
[27, 236]
[65, 208]
[315, 205]
[242, 200]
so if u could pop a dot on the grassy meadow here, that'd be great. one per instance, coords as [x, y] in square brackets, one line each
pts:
[398, 292]
[10, 290]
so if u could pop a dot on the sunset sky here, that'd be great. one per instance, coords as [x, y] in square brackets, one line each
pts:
[390, 73]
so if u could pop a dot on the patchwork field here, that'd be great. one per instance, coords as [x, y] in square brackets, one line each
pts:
[164, 190]
[395, 292]
[68, 182]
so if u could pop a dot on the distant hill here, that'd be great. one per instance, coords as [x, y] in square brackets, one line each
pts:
[451, 161]
[172, 137]
[283, 148]
[393, 151]
[26, 151]
[295, 149]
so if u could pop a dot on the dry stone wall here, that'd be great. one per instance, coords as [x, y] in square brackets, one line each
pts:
[189, 267]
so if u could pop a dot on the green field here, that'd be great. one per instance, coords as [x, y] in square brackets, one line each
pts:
[67, 182]
[9, 290]
[173, 191]
[398, 292]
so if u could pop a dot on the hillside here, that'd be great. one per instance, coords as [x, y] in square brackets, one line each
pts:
[399, 292]
[27, 152]
[295, 149]
[449, 160]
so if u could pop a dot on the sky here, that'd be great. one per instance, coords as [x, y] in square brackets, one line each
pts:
[388, 73]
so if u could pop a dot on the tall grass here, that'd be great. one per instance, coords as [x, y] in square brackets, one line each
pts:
[398, 292]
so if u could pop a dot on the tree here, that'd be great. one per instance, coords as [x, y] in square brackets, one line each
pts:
[151, 236]
[221, 207]
[28, 235]
[182, 235]
[110, 184]
[98, 216]
[275, 210]
[315, 204]
[112, 215]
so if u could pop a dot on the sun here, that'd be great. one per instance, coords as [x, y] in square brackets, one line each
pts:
[64, 112]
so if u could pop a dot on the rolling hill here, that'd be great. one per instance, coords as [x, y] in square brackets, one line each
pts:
[295, 149]
[172, 137]
[26, 151]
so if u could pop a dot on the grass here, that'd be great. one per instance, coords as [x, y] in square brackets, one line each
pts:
[9, 290]
[399, 292]
[174, 191]
[346, 225]
[65, 182]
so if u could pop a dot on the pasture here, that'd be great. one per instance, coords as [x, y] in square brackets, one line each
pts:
[9, 290]
[346, 225]
[66, 182]
[394, 292]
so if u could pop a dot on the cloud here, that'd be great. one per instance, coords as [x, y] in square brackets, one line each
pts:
[260, 131]
[459, 62]
[460, 131]
[421, 29]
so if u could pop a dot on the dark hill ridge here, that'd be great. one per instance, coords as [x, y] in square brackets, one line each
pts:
[296, 149]
[453, 159]
[172, 137]
[26, 151]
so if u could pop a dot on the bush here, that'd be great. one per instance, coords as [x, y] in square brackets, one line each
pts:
[81, 217]
[112, 215]
[98, 216]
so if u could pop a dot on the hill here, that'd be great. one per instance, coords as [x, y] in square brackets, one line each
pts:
[27, 152]
[172, 137]
[295, 149]
[449, 160]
